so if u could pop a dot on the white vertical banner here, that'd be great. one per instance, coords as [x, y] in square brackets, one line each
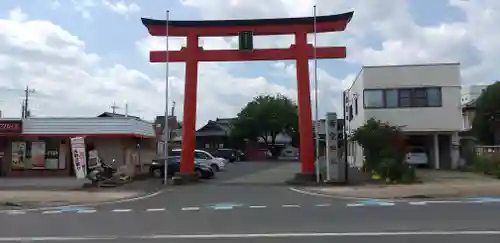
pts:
[79, 157]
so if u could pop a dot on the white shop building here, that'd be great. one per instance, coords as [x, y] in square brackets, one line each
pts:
[129, 140]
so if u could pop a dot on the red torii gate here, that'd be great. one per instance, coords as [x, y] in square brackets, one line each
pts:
[300, 51]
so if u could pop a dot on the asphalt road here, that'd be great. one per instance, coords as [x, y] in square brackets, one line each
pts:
[250, 213]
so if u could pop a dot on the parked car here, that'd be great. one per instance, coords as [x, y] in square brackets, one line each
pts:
[230, 154]
[204, 157]
[157, 168]
[417, 156]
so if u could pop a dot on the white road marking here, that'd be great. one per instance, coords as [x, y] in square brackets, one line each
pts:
[121, 210]
[323, 205]
[445, 202]
[51, 212]
[223, 208]
[87, 211]
[417, 203]
[126, 200]
[355, 205]
[16, 212]
[290, 206]
[257, 206]
[191, 209]
[155, 209]
[385, 204]
[253, 235]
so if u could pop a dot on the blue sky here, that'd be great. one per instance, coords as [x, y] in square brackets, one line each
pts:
[382, 32]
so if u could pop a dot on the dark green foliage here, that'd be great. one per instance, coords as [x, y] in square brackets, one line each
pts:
[266, 116]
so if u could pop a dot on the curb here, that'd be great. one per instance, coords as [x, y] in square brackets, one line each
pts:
[400, 199]
[124, 200]
[319, 194]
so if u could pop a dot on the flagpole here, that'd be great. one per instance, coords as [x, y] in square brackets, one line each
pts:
[166, 133]
[316, 101]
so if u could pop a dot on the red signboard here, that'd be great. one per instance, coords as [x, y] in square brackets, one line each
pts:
[11, 126]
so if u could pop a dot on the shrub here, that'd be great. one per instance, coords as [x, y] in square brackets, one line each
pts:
[489, 165]
[384, 149]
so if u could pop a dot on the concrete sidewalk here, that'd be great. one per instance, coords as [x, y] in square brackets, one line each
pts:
[39, 198]
[47, 192]
[65, 183]
[437, 184]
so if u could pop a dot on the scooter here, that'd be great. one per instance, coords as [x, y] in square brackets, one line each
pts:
[102, 173]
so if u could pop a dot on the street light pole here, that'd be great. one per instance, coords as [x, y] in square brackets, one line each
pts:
[316, 124]
[166, 133]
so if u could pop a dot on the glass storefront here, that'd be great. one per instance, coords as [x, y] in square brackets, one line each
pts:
[43, 153]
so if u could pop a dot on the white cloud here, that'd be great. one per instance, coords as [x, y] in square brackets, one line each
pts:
[55, 4]
[68, 80]
[17, 15]
[122, 7]
[84, 7]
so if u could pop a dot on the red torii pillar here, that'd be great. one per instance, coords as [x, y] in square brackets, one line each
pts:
[301, 51]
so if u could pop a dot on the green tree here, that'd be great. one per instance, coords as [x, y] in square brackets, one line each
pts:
[384, 149]
[265, 117]
[487, 115]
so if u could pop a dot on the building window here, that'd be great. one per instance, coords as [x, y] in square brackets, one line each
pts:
[404, 97]
[350, 112]
[374, 98]
[391, 98]
[356, 106]
[434, 97]
[419, 97]
[407, 97]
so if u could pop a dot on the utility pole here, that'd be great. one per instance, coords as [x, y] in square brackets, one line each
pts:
[22, 109]
[114, 107]
[27, 91]
[172, 113]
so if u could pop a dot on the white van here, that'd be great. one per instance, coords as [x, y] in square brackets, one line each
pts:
[205, 158]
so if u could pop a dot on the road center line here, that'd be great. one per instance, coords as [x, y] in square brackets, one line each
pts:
[190, 209]
[51, 212]
[417, 203]
[355, 205]
[323, 205]
[257, 206]
[87, 211]
[253, 235]
[16, 212]
[290, 205]
[155, 209]
[121, 210]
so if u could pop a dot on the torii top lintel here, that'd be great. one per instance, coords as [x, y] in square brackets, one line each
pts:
[329, 23]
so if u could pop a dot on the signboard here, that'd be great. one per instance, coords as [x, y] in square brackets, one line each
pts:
[79, 157]
[93, 159]
[52, 159]
[11, 126]
[335, 168]
[18, 155]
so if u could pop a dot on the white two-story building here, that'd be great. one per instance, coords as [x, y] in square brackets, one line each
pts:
[424, 100]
